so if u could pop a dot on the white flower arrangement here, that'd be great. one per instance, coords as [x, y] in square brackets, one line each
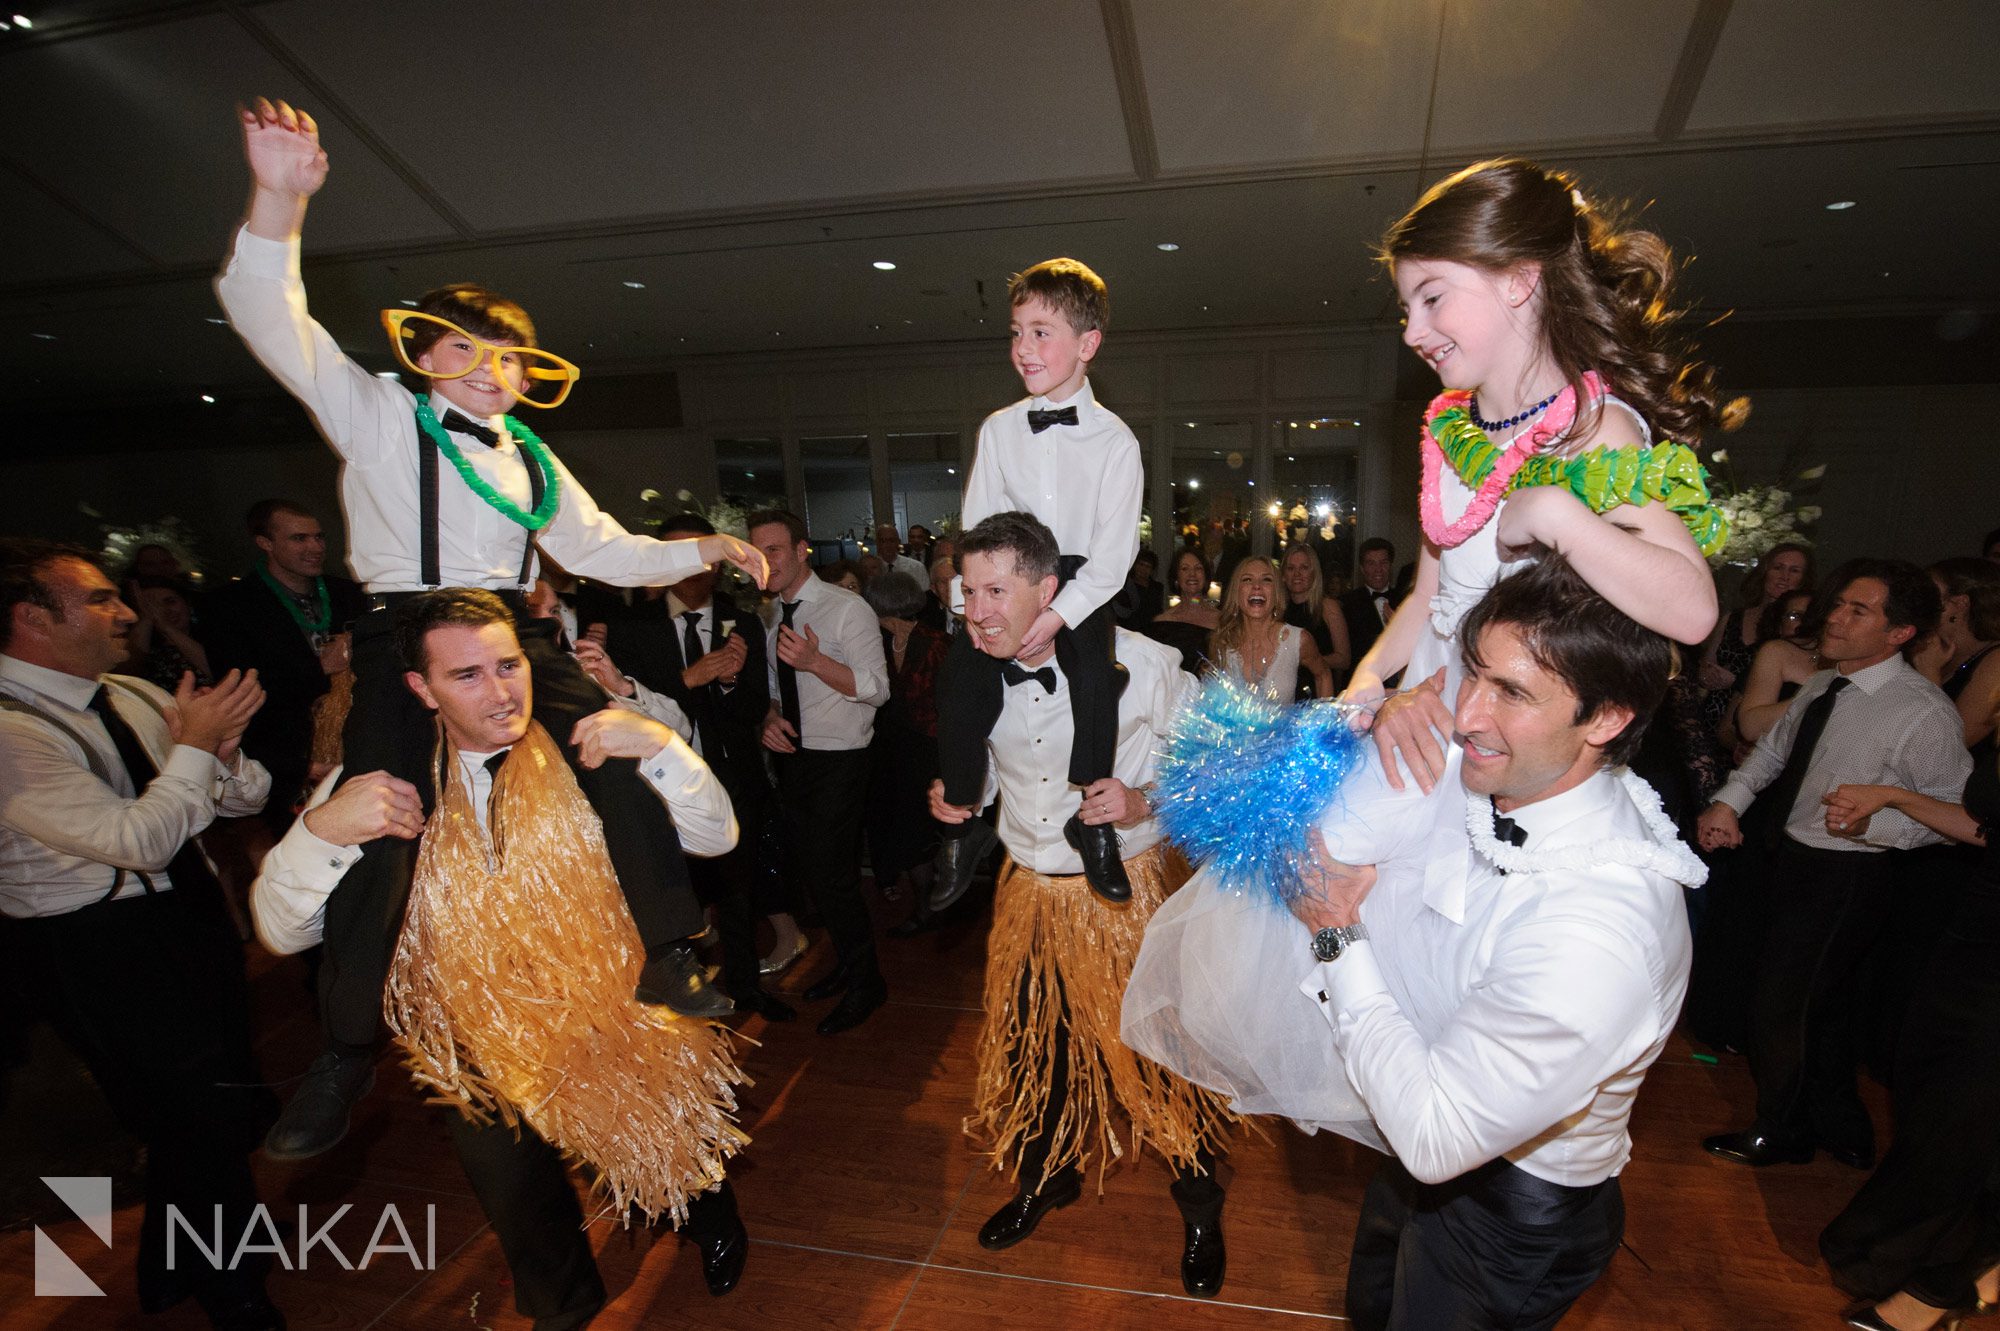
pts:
[1760, 516]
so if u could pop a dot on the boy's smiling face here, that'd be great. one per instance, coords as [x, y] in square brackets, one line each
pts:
[1051, 357]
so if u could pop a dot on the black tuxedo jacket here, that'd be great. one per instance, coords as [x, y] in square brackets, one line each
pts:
[645, 643]
[1363, 624]
[244, 626]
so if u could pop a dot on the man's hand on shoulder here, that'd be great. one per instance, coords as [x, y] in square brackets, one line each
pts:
[365, 808]
[618, 732]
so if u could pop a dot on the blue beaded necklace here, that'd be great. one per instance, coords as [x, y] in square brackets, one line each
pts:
[1511, 421]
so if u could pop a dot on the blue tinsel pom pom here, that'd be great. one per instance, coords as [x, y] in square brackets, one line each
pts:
[1244, 780]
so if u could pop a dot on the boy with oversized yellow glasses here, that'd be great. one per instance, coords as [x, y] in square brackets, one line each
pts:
[443, 488]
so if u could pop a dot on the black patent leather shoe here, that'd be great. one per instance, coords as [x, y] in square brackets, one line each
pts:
[1756, 1148]
[958, 860]
[1018, 1218]
[723, 1255]
[676, 979]
[855, 1006]
[763, 1003]
[1103, 868]
[1203, 1258]
[1853, 1157]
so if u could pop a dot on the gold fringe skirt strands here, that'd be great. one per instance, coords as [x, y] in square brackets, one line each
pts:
[1076, 951]
[329, 716]
[511, 992]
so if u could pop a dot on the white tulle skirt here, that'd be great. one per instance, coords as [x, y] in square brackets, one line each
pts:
[1214, 996]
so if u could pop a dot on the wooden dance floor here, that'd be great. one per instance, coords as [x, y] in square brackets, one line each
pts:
[862, 1201]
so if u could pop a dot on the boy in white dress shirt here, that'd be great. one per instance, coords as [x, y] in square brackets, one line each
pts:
[1074, 465]
[446, 490]
[1528, 958]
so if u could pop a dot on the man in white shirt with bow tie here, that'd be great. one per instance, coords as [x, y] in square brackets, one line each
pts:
[1499, 994]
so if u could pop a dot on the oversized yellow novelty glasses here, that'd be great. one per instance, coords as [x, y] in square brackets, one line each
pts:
[540, 378]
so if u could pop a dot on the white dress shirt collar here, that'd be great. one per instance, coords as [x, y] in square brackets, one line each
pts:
[1871, 679]
[72, 691]
[677, 607]
[1083, 400]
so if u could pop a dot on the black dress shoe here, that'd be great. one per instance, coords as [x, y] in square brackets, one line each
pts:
[958, 859]
[677, 979]
[317, 1115]
[761, 1002]
[1103, 869]
[1202, 1256]
[1853, 1157]
[1863, 1316]
[855, 1006]
[1018, 1218]
[827, 985]
[723, 1253]
[1756, 1148]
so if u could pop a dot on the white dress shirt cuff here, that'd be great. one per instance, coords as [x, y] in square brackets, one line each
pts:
[1343, 984]
[288, 900]
[1736, 795]
[195, 766]
[700, 806]
[258, 256]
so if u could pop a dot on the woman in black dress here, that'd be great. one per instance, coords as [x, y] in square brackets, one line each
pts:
[1191, 613]
[1307, 606]
[1920, 1243]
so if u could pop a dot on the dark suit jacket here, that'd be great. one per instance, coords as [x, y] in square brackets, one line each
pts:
[1363, 624]
[245, 627]
[645, 643]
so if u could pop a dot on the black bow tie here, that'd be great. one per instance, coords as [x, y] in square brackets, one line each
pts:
[458, 424]
[1039, 421]
[1507, 830]
[1016, 674]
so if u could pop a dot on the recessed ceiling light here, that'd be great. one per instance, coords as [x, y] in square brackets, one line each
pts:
[387, 374]
[636, 286]
[1204, 307]
[1166, 245]
[885, 266]
[412, 304]
[1840, 205]
[951, 471]
[21, 22]
[208, 397]
[223, 322]
[43, 337]
[1194, 482]
[777, 335]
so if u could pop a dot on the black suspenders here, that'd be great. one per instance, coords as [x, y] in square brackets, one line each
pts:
[427, 501]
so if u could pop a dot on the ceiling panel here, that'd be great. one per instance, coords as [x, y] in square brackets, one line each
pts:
[1284, 80]
[136, 126]
[635, 110]
[1306, 81]
[1512, 72]
[1781, 63]
[63, 245]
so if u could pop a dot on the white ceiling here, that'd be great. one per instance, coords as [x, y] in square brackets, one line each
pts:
[748, 160]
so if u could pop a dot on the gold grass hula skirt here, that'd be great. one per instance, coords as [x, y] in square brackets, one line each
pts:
[511, 992]
[1077, 950]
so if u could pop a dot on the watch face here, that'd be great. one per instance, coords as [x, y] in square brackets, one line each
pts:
[1326, 944]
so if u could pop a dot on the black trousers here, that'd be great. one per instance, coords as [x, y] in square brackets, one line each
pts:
[971, 692]
[524, 1188]
[820, 797]
[1828, 908]
[728, 884]
[149, 993]
[1193, 1185]
[390, 730]
[1928, 1219]
[1493, 1250]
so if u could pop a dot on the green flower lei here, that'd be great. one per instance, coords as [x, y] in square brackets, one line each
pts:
[320, 622]
[531, 444]
[1603, 478]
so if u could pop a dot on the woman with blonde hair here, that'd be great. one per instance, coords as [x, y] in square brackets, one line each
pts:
[1257, 648]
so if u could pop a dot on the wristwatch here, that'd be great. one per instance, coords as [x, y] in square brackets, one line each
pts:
[1328, 944]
